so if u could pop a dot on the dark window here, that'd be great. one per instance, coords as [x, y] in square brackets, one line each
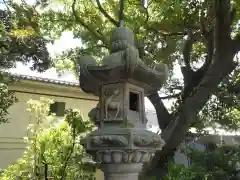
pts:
[134, 101]
[210, 147]
[58, 108]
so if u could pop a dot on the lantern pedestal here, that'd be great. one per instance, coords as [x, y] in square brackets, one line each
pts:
[122, 151]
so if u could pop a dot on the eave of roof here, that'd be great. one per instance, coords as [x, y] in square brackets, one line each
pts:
[45, 80]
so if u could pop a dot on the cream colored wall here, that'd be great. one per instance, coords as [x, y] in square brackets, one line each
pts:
[99, 175]
[12, 133]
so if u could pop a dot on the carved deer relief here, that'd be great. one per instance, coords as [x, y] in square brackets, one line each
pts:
[112, 103]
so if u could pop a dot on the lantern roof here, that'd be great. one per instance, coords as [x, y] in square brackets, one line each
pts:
[122, 65]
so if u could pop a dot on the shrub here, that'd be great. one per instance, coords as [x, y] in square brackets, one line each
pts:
[218, 163]
[53, 147]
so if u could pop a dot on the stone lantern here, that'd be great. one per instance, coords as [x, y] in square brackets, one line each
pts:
[121, 144]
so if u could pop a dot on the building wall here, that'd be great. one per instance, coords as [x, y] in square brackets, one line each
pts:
[99, 175]
[180, 155]
[152, 123]
[12, 133]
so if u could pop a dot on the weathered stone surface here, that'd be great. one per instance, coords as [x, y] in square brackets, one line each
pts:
[124, 139]
[106, 140]
[94, 115]
[121, 144]
[123, 64]
[121, 171]
[123, 156]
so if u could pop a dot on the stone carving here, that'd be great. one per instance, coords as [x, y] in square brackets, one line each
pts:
[123, 62]
[85, 76]
[123, 156]
[109, 140]
[147, 141]
[123, 51]
[112, 104]
[123, 145]
[94, 115]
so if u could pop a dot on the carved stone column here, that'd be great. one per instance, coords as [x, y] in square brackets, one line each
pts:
[121, 171]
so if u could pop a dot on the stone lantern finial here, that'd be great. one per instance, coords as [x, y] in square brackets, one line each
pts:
[121, 39]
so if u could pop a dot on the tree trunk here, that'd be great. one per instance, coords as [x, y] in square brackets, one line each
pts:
[222, 51]
[161, 169]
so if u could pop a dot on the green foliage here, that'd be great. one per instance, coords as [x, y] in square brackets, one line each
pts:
[7, 98]
[94, 29]
[161, 22]
[223, 107]
[53, 148]
[20, 36]
[20, 40]
[218, 163]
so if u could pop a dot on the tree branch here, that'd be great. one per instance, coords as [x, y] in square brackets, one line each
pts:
[68, 156]
[163, 115]
[163, 33]
[187, 48]
[98, 46]
[222, 28]
[236, 44]
[146, 10]
[191, 78]
[176, 129]
[185, 66]
[170, 96]
[221, 66]
[45, 171]
[7, 6]
[113, 21]
[147, 15]
[88, 27]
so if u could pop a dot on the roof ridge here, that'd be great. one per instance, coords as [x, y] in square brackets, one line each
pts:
[42, 79]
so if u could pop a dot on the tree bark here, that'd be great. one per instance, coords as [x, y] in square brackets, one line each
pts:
[221, 66]
[164, 117]
[161, 169]
[88, 27]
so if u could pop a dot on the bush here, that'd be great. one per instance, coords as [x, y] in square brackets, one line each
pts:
[219, 163]
[53, 147]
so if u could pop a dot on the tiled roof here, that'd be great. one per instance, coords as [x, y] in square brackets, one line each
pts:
[43, 79]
